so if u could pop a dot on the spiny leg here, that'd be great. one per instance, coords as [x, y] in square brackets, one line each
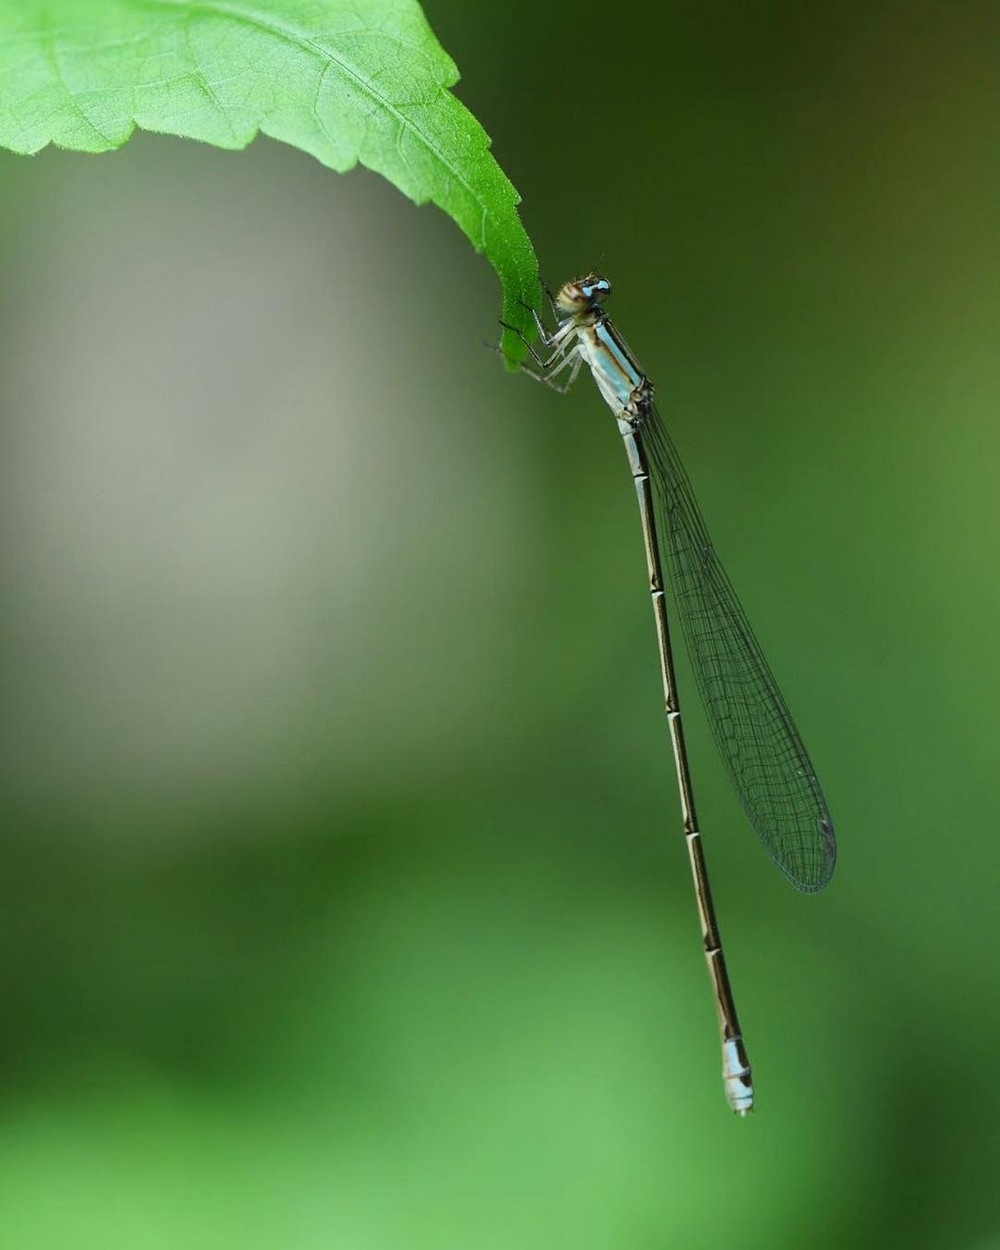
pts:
[544, 362]
[547, 336]
[572, 362]
[561, 358]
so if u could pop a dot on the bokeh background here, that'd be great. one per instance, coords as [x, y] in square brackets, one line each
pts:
[343, 897]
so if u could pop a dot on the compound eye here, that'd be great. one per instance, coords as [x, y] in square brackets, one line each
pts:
[570, 298]
[595, 289]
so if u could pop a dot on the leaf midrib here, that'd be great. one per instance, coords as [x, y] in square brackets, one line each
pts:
[297, 38]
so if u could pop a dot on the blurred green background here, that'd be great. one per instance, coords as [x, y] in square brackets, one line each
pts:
[344, 902]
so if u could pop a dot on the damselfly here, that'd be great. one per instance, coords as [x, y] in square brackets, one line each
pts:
[753, 729]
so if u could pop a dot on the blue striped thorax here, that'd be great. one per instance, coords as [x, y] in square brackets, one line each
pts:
[625, 388]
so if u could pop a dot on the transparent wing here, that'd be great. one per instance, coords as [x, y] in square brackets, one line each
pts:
[753, 728]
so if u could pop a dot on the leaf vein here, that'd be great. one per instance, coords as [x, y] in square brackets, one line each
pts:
[297, 38]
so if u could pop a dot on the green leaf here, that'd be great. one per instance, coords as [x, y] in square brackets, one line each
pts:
[346, 80]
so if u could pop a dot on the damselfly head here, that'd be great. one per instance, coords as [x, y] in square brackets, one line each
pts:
[583, 293]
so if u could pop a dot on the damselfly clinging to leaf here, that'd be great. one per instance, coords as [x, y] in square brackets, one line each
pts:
[753, 729]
